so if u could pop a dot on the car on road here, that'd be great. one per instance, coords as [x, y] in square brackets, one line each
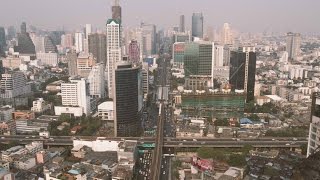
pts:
[295, 139]
[164, 172]
[287, 144]
[203, 142]
[194, 139]
[27, 137]
[2, 137]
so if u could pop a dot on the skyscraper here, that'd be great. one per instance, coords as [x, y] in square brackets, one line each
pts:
[126, 106]
[11, 32]
[79, 42]
[181, 24]
[293, 45]
[113, 50]
[49, 46]
[72, 63]
[97, 81]
[134, 51]
[2, 41]
[25, 44]
[197, 25]
[67, 40]
[243, 71]
[97, 46]
[314, 135]
[226, 35]
[88, 30]
[149, 39]
[116, 11]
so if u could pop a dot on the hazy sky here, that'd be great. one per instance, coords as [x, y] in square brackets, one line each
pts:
[244, 15]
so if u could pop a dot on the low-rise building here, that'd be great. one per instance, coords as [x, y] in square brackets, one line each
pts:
[24, 163]
[40, 106]
[105, 111]
[23, 114]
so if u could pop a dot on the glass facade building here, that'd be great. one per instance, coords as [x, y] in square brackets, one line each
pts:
[197, 25]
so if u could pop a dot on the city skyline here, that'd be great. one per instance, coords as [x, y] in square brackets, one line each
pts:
[263, 16]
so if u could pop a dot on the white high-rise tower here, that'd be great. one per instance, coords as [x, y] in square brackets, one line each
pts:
[226, 35]
[113, 51]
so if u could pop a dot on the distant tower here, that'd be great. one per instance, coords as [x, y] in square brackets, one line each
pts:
[226, 36]
[293, 45]
[134, 51]
[116, 11]
[181, 25]
[23, 28]
[79, 42]
[197, 25]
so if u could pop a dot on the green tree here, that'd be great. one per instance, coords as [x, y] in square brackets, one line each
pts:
[221, 122]
[237, 160]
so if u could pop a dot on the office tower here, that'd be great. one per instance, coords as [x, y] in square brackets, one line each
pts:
[198, 58]
[23, 28]
[181, 37]
[197, 25]
[116, 11]
[2, 37]
[145, 79]
[226, 55]
[88, 30]
[67, 40]
[50, 58]
[243, 71]
[11, 32]
[56, 37]
[97, 81]
[97, 46]
[134, 51]
[178, 54]
[126, 103]
[79, 42]
[218, 56]
[314, 130]
[113, 50]
[149, 39]
[38, 42]
[25, 44]
[75, 97]
[13, 84]
[181, 24]
[85, 62]
[226, 34]
[49, 46]
[72, 63]
[293, 45]
[3, 43]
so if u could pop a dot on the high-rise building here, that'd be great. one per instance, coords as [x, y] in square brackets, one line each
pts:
[226, 34]
[243, 71]
[13, 84]
[97, 81]
[134, 51]
[72, 63]
[56, 37]
[149, 39]
[88, 30]
[11, 32]
[181, 24]
[293, 45]
[197, 25]
[2, 41]
[209, 35]
[113, 51]
[79, 40]
[97, 46]
[181, 37]
[126, 101]
[49, 46]
[145, 79]
[67, 40]
[198, 58]
[116, 11]
[25, 44]
[314, 130]
[75, 97]
[218, 56]
[38, 42]
[85, 62]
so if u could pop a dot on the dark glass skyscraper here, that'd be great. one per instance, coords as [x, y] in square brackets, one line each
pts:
[127, 121]
[197, 25]
[25, 44]
[116, 10]
[97, 46]
[49, 46]
[243, 71]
